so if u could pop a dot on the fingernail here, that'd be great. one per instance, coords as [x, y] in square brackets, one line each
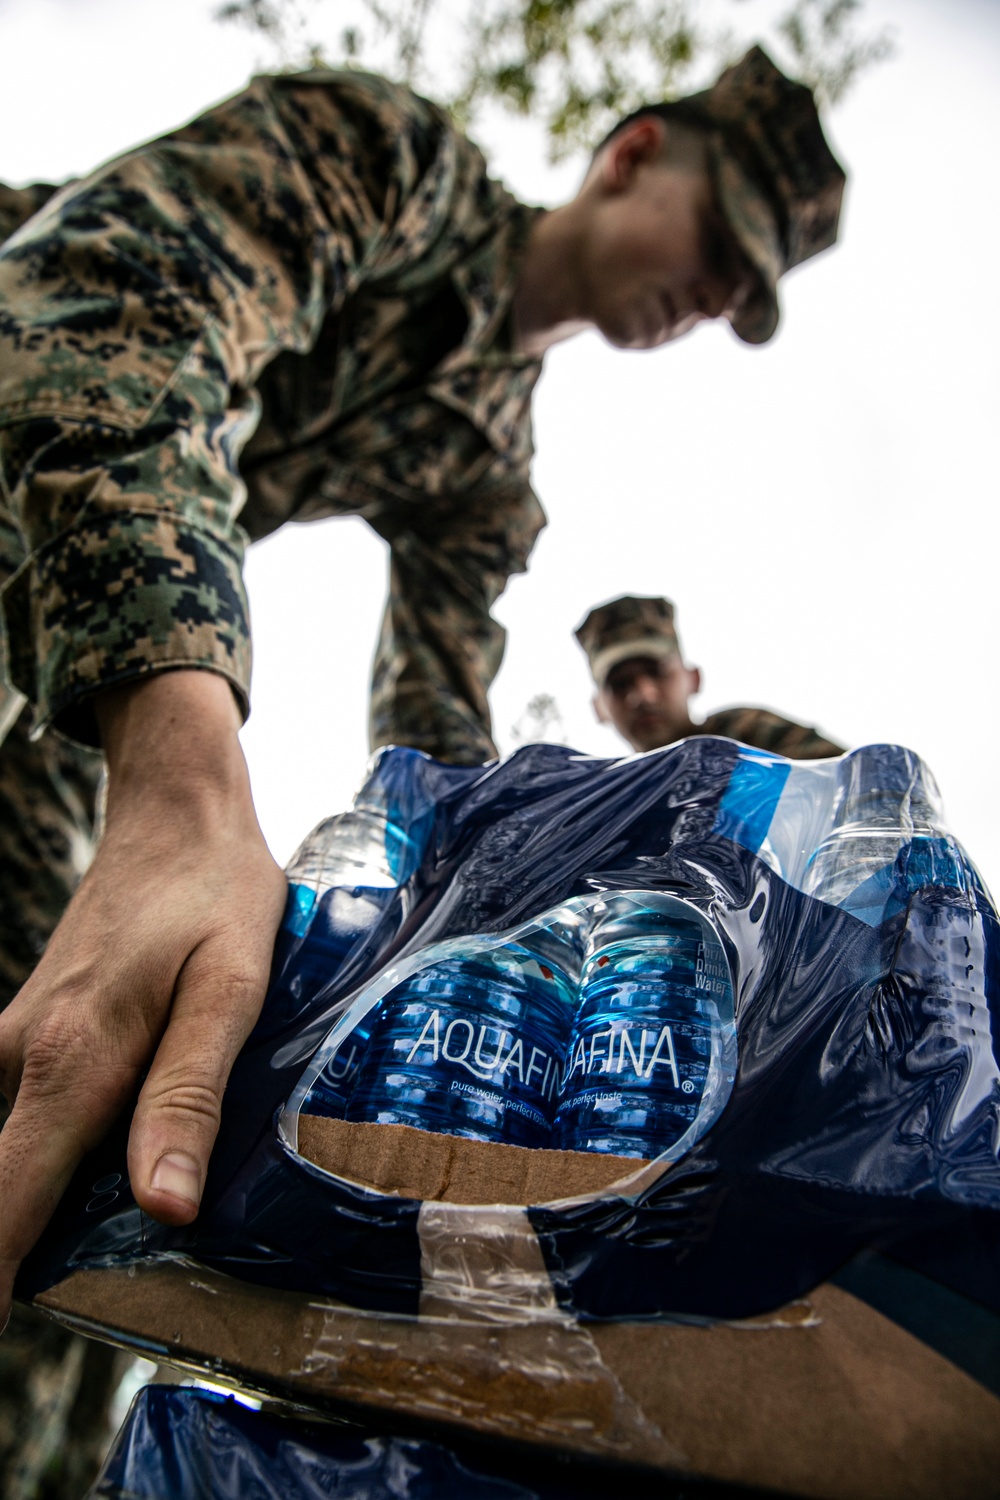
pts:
[177, 1174]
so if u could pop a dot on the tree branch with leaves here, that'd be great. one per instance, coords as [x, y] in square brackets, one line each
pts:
[576, 66]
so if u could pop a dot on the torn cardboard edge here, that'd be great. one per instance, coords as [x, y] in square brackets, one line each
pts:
[403, 1161]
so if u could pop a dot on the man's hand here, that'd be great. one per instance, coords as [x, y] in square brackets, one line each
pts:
[161, 959]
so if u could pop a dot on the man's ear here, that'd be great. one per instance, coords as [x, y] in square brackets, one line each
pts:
[695, 681]
[603, 717]
[635, 146]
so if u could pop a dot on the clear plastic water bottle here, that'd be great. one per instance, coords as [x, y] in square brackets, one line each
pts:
[340, 881]
[472, 1042]
[331, 1090]
[356, 848]
[376, 845]
[940, 964]
[652, 1051]
[887, 798]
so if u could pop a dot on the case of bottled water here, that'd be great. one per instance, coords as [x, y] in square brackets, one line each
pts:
[766, 993]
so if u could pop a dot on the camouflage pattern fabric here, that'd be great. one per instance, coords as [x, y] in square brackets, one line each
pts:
[632, 625]
[18, 204]
[55, 1390]
[778, 183]
[764, 730]
[48, 801]
[296, 306]
[55, 1387]
[448, 566]
[48, 791]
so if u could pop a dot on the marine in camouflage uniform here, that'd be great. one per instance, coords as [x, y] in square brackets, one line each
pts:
[644, 686]
[296, 306]
[299, 305]
[322, 258]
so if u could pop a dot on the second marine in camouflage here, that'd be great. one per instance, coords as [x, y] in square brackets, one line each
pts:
[644, 686]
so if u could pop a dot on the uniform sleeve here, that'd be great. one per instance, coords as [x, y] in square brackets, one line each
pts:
[769, 731]
[137, 309]
[440, 646]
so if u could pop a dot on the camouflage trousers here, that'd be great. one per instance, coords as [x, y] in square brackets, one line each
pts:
[55, 1387]
[48, 791]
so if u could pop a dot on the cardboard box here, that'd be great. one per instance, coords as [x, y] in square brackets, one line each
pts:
[824, 1399]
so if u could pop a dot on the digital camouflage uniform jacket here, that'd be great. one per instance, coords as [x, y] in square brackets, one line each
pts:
[296, 306]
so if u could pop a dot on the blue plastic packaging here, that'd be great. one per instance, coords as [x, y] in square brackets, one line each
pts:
[856, 1100]
[181, 1443]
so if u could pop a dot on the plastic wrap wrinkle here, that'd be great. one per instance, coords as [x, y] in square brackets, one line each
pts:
[485, 1265]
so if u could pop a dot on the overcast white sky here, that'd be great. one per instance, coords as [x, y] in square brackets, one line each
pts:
[823, 510]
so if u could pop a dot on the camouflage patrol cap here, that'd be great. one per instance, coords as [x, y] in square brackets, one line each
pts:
[624, 628]
[778, 183]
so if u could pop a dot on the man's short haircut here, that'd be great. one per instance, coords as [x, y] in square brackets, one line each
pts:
[671, 112]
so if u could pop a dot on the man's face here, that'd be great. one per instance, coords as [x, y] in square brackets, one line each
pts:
[661, 257]
[646, 698]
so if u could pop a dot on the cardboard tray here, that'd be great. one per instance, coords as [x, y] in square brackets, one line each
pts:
[825, 1399]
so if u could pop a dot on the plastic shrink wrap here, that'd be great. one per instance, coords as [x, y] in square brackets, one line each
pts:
[178, 1443]
[183, 1443]
[563, 1043]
